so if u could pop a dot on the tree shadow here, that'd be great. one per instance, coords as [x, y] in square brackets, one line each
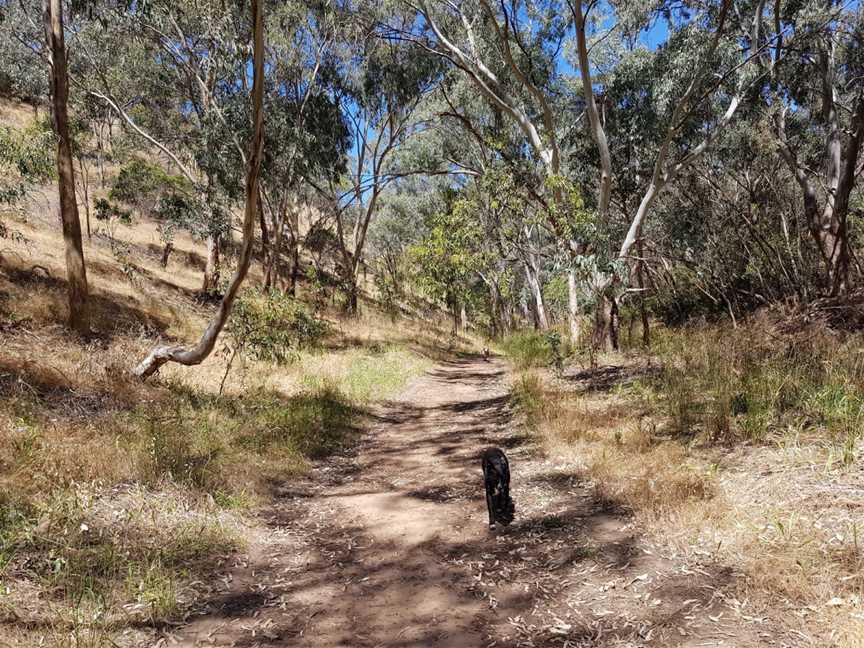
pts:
[110, 312]
[604, 379]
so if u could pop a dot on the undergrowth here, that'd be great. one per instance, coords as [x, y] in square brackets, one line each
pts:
[738, 443]
[534, 349]
[112, 517]
[752, 385]
[629, 464]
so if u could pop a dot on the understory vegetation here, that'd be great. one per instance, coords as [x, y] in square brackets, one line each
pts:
[230, 231]
[739, 444]
[117, 497]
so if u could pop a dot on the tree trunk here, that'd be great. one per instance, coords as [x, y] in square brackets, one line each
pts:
[614, 322]
[76, 271]
[454, 312]
[166, 252]
[352, 296]
[265, 244]
[100, 151]
[160, 355]
[295, 266]
[528, 313]
[271, 272]
[600, 335]
[211, 269]
[537, 296]
[573, 309]
[640, 280]
[495, 318]
[85, 189]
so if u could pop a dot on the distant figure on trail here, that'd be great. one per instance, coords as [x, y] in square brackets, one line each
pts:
[486, 353]
[496, 479]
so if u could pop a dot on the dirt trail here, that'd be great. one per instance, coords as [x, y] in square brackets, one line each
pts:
[390, 548]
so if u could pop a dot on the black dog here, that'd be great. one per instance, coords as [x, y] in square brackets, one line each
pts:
[496, 478]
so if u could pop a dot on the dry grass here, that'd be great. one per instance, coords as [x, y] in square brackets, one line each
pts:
[116, 497]
[15, 115]
[785, 512]
[603, 436]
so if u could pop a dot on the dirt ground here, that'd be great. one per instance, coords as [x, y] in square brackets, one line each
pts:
[389, 547]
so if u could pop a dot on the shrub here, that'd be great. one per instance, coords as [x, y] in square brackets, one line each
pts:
[532, 349]
[108, 211]
[273, 326]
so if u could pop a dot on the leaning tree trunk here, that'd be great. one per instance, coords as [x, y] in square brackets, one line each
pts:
[76, 270]
[163, 354]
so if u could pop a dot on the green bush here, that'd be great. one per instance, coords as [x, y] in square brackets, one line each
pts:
[108, 211]
[531, 349]
[273, 326]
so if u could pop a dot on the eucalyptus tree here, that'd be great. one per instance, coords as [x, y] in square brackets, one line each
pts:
[510, 53]
[508, 197]
[26, 160]
[26, 44]
[22, 39]
[383, 94]
[812, 56]
[76, 271]
[195, 355]
[309, 139]
[694, 86]
[174, 75]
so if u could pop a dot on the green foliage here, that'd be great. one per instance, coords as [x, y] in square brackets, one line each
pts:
[575, 220]
[313, 424]
[25, 158]
[273, 326]
[107, 211]
[446, 261]
[140, 184]
[151, 191]
[533, 349]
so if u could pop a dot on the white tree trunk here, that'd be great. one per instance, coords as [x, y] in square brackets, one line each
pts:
[573, 309]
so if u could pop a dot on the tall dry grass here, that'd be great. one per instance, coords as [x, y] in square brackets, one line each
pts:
[740, 445]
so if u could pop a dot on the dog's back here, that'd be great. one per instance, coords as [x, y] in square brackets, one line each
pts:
[496, 479]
